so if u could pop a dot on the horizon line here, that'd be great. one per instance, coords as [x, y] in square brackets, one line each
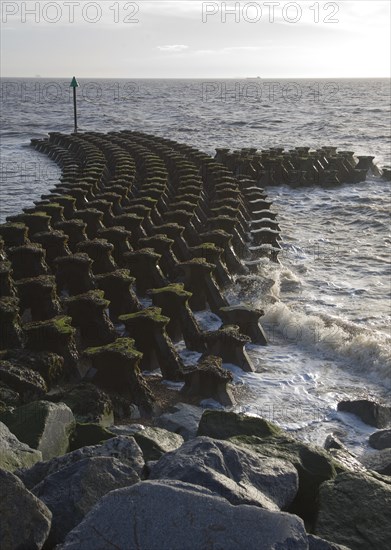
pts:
[204, 78]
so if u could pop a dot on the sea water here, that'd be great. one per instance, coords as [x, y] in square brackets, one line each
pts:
[327, 303]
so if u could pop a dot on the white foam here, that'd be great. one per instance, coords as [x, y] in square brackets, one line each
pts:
[362, 349]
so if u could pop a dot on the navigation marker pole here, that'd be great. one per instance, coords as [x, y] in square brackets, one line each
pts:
[74, 85]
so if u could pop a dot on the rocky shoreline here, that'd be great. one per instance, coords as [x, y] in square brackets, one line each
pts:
[100, 282]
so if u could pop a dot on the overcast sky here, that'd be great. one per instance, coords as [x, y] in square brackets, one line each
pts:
[193, 39]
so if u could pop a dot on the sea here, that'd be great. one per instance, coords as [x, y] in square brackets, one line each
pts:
[327, 303]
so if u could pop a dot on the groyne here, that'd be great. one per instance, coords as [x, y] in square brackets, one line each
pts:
[99, 282]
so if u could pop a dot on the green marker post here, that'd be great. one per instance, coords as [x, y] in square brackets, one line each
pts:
[74, 85]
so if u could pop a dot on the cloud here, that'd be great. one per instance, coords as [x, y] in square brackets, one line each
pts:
[173, 48]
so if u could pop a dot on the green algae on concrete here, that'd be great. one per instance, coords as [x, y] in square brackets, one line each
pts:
[88, 403]
[173, 300]
[74, 273]
[7, 287]
[11, 335]
[49, 365]
[35, 221]
[147, 327]
[88, 312]
[117, 289]
[39, 295]
[28, 261]
[117, 366]
[28, 383]
[55, 335]
[14, 234]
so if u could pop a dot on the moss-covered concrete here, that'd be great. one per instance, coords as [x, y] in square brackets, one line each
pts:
[117, 366]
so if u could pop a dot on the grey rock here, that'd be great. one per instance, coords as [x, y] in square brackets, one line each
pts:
[344, 459]
[237, 474]
[313, 464]
[24, 519]
[183, 420]
[126, 429]
[155, 442]
[370, 412]
[379, 461]
[380, 439]
[153, 515]
[332, 442]
[42, 425]
[13, 453]
[121, 447]
[316, 543]
[355, 509]
[71, 492]
[224, 424]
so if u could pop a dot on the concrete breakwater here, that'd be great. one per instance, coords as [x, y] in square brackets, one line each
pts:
[99, 281]
[301, 166]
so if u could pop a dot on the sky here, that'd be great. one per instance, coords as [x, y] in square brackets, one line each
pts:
[195, 39]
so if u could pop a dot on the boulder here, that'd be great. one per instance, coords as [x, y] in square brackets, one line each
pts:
[379, 461]
[316, 543]
[87, 433]
[25, 520]
[223, 425]
[152, 515]
[355, 509]
[13, 453]
[43, 426]
[71, 492]
[380, 439]
[344, 459]
[181, 419]
[155, 442]
[237, 474]
[370, 412]
[121, 447]
[313, 465]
